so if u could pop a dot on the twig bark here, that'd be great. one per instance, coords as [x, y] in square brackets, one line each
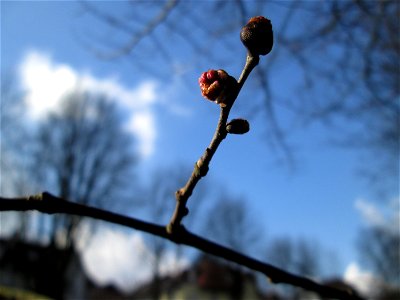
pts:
[50, 204]
[201, 166]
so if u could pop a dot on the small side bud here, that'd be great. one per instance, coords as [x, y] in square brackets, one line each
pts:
[238, 126]
[218, 86]
[257, 36]
[185, 211]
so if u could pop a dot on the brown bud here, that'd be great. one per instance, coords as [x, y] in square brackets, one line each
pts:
[238, 126]
[257, 36]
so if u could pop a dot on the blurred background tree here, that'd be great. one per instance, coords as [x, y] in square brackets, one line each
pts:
[348, 54]
[14, 149]
[378, 246]
[82, 153]
[229, 222]
[298, 256]
[79, 151]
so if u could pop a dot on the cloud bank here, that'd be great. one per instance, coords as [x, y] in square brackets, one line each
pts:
[46, 81]
[123, 259]
[387, 217]
[365, 282]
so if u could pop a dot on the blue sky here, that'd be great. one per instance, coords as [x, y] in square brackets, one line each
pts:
[322, 199]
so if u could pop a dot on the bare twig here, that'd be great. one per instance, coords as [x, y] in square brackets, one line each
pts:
[135, 38]
[201, 166]
[50, 204]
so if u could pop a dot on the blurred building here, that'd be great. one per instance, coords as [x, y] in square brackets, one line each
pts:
[58, 274]
[46, 270]
[207, 278]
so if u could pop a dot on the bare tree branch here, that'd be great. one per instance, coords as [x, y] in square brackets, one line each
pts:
[135, 38]
[50, 204]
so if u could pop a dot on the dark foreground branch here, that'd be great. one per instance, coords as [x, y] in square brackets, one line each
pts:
[50, 204]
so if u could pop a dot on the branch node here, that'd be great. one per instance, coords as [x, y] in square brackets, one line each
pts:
[175, 231]
[201, 169]
[178, 195]
[36, 198]
[196, 170]
[170, 229]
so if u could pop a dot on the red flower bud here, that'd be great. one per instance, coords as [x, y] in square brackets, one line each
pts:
[217, 86]
[257, 36]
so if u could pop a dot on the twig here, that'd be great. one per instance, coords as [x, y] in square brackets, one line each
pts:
[50, 204]
[201, 166]
[135, 38]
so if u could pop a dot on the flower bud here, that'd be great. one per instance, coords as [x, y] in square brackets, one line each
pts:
[238, 126]
[257, 36]
[218, 86]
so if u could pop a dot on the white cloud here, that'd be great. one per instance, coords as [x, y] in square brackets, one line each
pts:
[369, 212]
[114, 257]
[142, 125]
[364, 282]
[386, 217]
[46, 81]
[170, 265]
[123, 259]
[140, 97]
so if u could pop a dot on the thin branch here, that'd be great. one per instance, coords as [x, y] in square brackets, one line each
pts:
[50, 204]
[201, 166]
[136, 38]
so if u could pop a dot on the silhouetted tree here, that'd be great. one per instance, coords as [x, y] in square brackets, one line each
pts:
[300, 257]
[379, 248]
[14, 150]
[12, 133]
[82, 153]
[230, 223]
[79, 151]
